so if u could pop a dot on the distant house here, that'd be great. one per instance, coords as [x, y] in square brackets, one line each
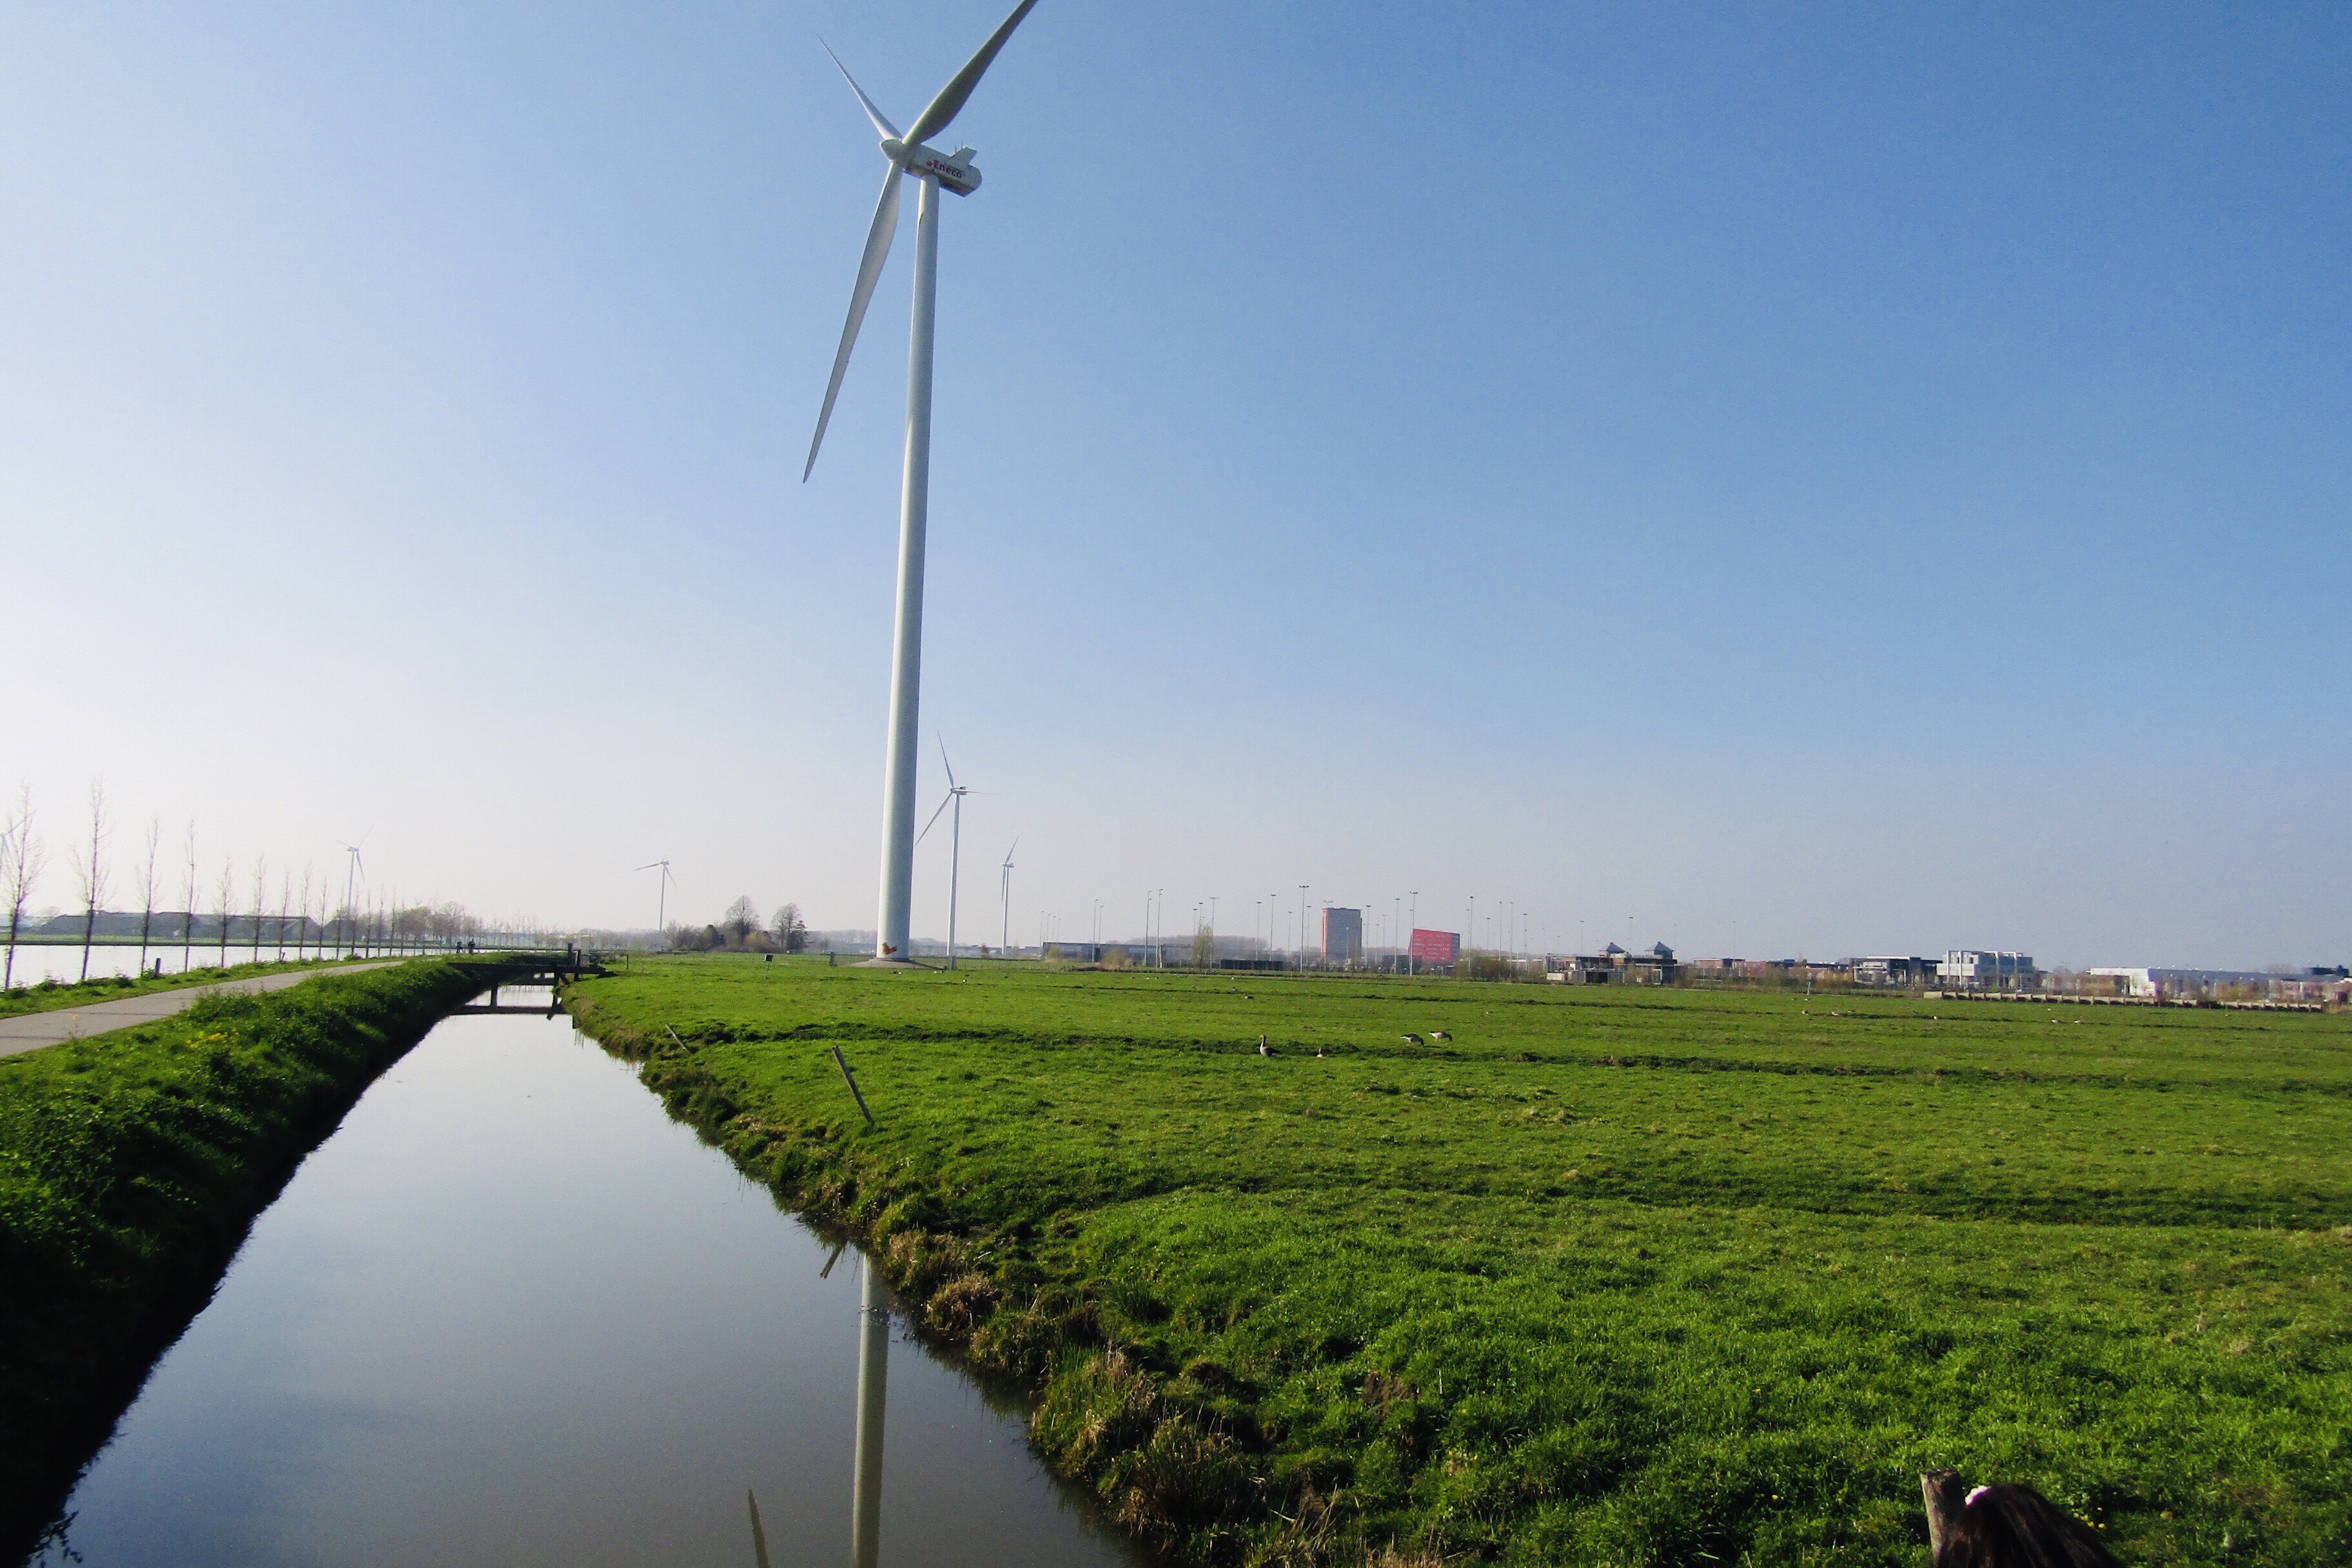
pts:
[1906, 972]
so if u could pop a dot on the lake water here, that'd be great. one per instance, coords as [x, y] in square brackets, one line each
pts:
[510, 1312]
[62, 962]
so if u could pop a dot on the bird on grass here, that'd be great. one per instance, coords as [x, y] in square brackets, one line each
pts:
[1263, 1048]
[1415, 1040]
[1439, 1035]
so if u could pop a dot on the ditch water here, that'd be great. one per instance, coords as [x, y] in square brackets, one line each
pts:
[511, 1313]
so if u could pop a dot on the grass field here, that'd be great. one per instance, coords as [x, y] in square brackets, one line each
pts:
[47, 995]
[1607, 1277]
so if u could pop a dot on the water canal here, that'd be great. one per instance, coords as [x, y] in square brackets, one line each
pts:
[510, 1312]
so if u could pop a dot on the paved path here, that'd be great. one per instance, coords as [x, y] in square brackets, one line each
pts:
[30, 1031]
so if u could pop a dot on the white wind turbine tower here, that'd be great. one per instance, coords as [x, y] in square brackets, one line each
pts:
[352, 871]
[954, 797]
[661, 901]
[1005, 897]
[908, 155]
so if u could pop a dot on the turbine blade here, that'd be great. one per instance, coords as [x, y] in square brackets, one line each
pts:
[872, 113]
[935, 817]
[648, 865]
[944, 107]
[758, 1536]
[945, 764]
[869, 272]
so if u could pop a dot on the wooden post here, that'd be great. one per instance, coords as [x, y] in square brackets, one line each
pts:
[1945, 1498]
[851, 1078]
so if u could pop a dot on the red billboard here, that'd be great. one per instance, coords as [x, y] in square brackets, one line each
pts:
[1434, 946]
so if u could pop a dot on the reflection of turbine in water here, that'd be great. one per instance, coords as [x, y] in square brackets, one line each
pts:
[873, 1380]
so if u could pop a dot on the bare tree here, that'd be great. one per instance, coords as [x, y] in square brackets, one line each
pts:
[147, 887]
[188, 910]
[260, 892]
[791, 930]
[227, 891]
[285, 901]
[22, 871]
[90, 875]
[741, 918]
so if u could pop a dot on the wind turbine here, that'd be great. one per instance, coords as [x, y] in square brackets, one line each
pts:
[933, 170]
[353, 870]
[955, 794]
[1005, 897]
[661, 902]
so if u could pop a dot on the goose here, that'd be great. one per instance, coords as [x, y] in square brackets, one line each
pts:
[1415, 1040]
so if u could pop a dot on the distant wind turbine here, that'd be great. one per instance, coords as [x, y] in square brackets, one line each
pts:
[1005, 897]
[661, 903]
[352, 871]
[954, 797]
[908, 155]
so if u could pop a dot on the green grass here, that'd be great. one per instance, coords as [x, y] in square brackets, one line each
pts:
[130, 1164]
[1638, 1277]
[47, 995]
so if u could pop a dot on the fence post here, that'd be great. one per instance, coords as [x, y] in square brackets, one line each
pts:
[851, 1078]
[1945, 1498]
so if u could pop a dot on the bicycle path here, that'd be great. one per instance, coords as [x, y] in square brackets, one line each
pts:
[31, 1031]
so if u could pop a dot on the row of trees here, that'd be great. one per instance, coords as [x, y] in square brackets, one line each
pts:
[307, 921]
[741, 929]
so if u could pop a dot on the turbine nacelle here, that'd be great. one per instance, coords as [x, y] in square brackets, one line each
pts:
[954, 171]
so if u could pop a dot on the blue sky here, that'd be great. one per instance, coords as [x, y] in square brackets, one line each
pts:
[1795, 478]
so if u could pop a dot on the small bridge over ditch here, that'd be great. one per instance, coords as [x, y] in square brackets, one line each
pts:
[551, 967]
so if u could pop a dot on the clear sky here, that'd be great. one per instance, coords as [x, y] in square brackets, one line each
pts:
[1776, 478]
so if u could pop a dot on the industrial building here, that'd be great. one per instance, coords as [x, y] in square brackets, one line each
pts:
[1343, 935]
[2158, 984]
[1613, 965]
[1434, 946]
[1903, 971]
[1981, 969]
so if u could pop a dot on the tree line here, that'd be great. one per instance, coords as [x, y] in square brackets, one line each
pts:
[741, 929]
[304, 919]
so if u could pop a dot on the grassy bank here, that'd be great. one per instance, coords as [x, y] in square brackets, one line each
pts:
[1602, 1278]
[131, 1165]
[47, 995]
